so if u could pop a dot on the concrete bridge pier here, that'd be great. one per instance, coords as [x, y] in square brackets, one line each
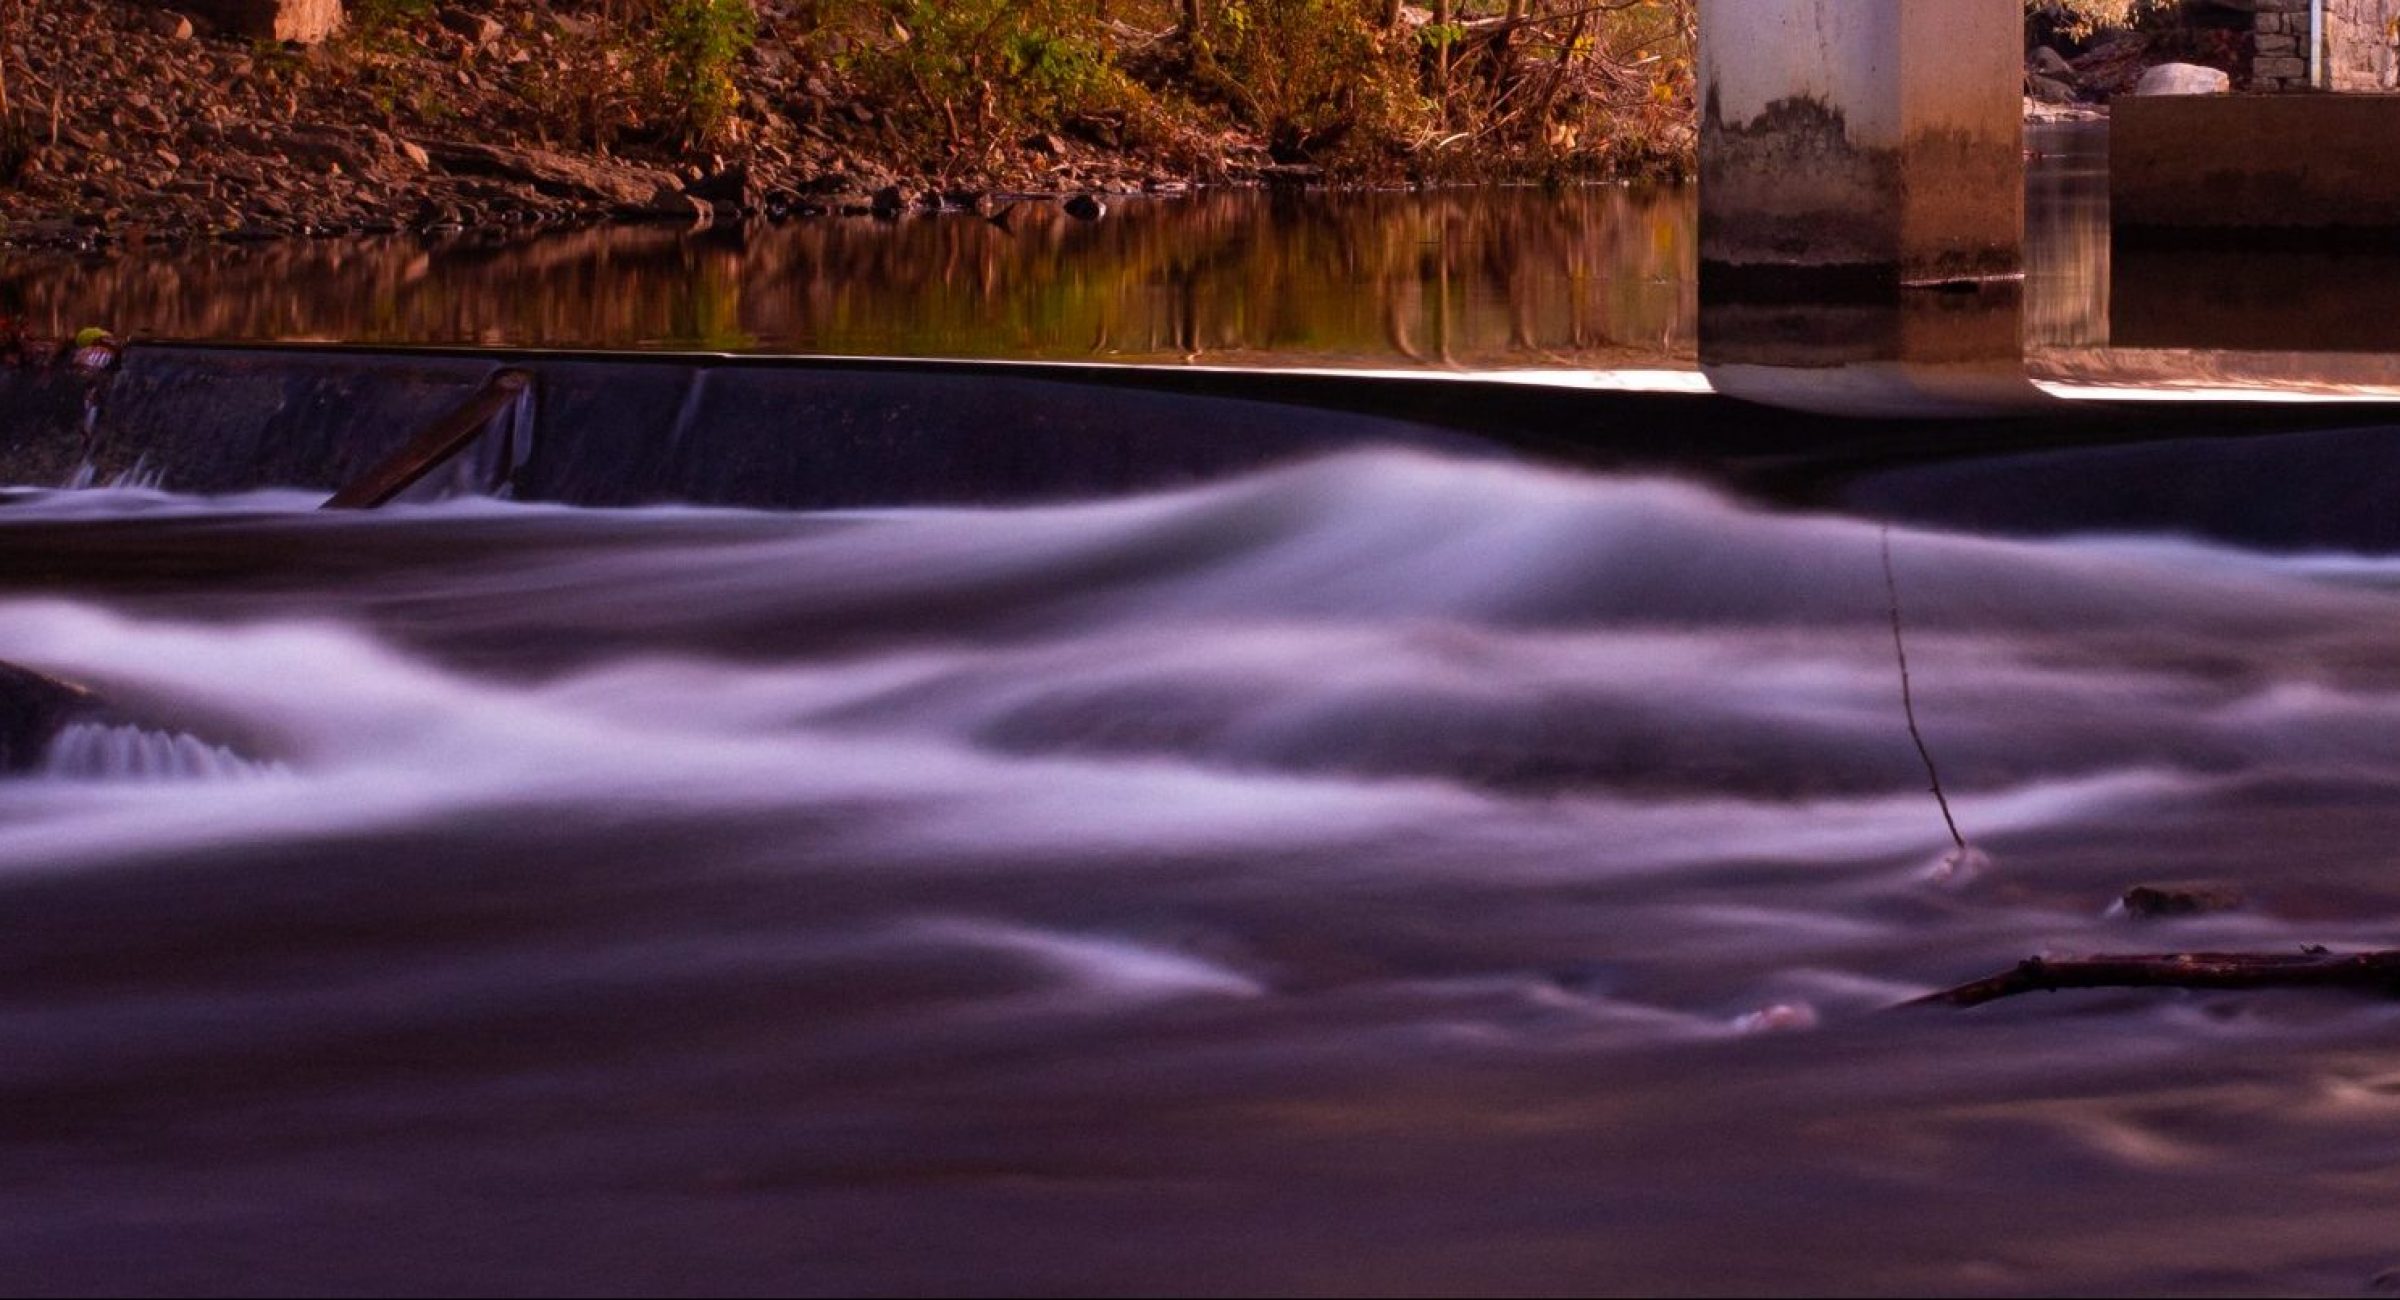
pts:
[1856, 158]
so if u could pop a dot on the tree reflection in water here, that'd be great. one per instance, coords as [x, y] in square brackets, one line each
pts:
[1517, 277]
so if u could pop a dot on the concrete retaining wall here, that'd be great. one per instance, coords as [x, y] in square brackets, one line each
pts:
[2223, 163]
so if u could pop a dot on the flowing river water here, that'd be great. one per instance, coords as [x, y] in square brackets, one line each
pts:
[1388, 871]
[1385, 872]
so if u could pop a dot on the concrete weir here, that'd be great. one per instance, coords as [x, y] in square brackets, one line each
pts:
[2231, 168]
[1861, 153]
[617, 429]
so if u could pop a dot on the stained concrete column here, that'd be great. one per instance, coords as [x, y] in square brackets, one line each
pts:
[1859, 154]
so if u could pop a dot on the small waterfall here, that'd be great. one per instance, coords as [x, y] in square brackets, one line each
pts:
[93, 751]
[142, 476]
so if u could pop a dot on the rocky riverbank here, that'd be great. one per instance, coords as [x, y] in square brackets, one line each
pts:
[141, 125]
[131, 123]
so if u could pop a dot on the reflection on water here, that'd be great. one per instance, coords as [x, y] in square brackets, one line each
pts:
[1586, 278]
[1579, 277]
[2066, 235]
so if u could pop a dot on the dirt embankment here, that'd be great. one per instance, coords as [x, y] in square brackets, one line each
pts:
[136, 124]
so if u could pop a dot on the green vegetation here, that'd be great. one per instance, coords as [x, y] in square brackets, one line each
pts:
[1364, 89]
[2084, 17]
[697, 44]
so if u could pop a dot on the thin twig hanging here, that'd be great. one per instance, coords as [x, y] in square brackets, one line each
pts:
[1908, 702]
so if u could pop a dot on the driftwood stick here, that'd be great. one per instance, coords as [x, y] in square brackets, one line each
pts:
[450, 435]
[2367, 972]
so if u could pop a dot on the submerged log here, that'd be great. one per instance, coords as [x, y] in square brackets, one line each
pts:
[32, 710]
[2367, 972]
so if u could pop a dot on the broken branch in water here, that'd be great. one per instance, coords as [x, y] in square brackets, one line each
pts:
[2370, 972]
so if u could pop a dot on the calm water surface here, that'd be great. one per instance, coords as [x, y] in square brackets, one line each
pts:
[1581, 278]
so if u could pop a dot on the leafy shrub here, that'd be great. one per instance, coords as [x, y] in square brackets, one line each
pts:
[1320, 77]
[985, 73]
[661, 70]
[698, 44]
[593, 87]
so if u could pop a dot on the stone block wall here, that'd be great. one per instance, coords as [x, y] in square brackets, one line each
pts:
[2360, 44]
[2280, 55]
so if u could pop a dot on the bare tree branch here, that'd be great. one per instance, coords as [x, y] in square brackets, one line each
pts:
[2368, 972]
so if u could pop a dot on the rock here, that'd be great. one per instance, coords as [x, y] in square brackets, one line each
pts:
[892, 200]
[412, 153]
[2047, 62]
[172, 25]
[2149, 902]
[670, 203]
[734, 184]
[2184, 79]
[2049, 90]
[1086, 207]
[32, 709]
[481, 30]
[307, 22]
[332, 150]
[554, 174]
[1291, 173]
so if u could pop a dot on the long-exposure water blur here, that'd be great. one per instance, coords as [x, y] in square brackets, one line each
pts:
[1383, 872]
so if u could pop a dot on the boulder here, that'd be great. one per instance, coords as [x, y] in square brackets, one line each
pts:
[172, 25]
[480, 31]
[557, 175]
[733, 185]
[2047, 62]
[2049, 90]
[2183, 79]
[671, 203]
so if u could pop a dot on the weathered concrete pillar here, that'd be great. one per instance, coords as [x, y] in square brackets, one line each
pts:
[1862, 153]
[1883, 138]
